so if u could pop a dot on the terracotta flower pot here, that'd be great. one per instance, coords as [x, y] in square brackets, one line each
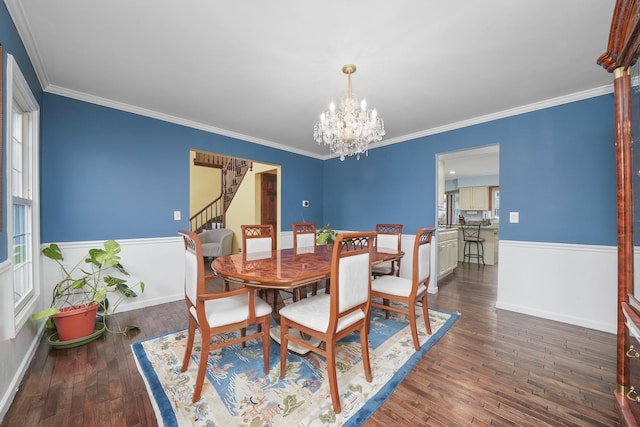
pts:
[73, 323]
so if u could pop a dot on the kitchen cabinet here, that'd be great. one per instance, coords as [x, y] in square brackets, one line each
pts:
[474, 198]
[447, 251]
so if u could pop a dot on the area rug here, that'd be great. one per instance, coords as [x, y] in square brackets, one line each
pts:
[237, 392]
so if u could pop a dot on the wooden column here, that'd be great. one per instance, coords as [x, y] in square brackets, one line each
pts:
[622, 53]
[624, 163]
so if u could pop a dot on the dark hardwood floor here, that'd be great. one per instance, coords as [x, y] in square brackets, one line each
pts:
[493, 367]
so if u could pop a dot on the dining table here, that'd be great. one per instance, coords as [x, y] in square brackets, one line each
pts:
[286, 270]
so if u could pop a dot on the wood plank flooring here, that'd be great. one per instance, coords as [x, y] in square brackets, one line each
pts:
[493, 367]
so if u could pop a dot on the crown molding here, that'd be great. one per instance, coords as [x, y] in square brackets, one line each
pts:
[24, 30]
[553, 102]
[81, 96]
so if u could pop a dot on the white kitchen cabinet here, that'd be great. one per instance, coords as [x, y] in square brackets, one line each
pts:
[474, 198]
[447, 251]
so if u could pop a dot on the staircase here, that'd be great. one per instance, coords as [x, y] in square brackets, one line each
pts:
[233, 172]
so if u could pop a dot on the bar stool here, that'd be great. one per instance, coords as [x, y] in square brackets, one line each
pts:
[471, 236]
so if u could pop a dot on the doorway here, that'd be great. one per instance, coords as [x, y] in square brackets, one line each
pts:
[476, 169]
[205, 185]
[269, 200]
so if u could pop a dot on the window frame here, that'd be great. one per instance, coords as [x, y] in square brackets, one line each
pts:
[18, 91]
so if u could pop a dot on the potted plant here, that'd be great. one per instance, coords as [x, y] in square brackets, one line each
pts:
[326, 235]
[84, 291]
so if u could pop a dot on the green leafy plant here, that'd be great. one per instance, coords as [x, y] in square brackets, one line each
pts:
[90, 280]
[326, 235]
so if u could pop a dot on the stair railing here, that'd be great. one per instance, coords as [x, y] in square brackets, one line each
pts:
[211, 216]
[232, 175]
[214, 214]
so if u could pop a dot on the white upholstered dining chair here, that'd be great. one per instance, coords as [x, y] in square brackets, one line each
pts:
[304, 235]
[217, 313]
[258, 238]
[304, 240]
[258, 241]
[408, 291]
[389, 238]
[334, 316]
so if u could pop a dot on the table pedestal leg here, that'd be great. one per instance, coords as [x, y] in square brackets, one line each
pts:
[275, 335]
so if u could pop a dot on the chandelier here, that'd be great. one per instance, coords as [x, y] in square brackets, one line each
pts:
[349, 129]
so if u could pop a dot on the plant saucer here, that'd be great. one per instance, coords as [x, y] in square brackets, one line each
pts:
[55, 342]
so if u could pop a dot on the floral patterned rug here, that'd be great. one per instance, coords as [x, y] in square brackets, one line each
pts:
[237, 392]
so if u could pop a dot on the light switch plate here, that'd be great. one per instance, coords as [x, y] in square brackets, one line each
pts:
[176, 215]
[514, 217]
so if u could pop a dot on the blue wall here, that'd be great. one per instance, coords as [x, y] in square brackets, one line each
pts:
[111, 174]
[557, 169]
[12, 44]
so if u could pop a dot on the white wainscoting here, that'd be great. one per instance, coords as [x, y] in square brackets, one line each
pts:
[158, 262]
[575, 284]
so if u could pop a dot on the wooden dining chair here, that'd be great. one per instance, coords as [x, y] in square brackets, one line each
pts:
[304, 240]
[218, 313]
[388, 236]
[408, 291]
[258, 238]
[334, 316]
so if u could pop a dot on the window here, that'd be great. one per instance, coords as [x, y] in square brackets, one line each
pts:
[22, 202]
[494, 201]
[22, 184]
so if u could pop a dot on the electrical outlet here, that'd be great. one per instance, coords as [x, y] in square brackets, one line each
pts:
[305, 203]
[514, 217]
[176, 215]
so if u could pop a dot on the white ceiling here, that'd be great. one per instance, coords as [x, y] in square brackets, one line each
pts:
[263, 71]
[476, 162]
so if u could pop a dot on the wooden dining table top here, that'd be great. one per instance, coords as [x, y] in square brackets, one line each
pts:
[285, 269]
